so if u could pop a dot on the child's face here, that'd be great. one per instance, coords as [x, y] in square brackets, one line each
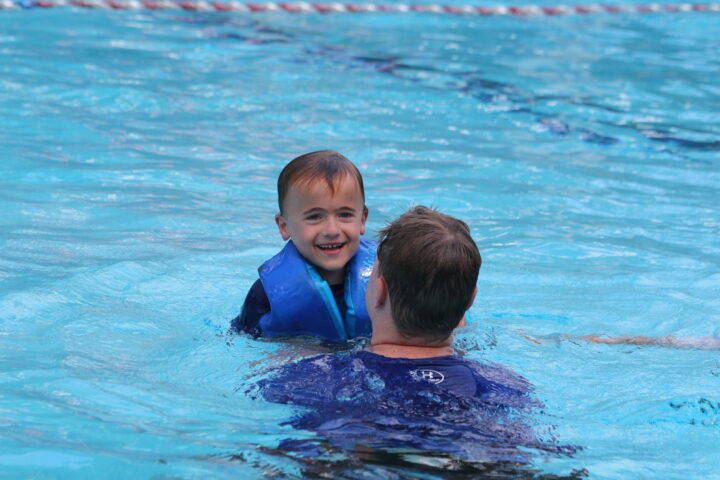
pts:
[325, 228]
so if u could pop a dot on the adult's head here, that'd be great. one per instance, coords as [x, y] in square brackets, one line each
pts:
[324, 165]
[428, 264]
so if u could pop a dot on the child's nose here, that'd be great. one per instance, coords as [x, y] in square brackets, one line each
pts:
[332, 229]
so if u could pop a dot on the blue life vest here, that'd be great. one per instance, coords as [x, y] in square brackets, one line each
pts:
[301, 302]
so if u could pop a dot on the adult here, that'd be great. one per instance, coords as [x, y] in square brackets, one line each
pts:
[407, 391]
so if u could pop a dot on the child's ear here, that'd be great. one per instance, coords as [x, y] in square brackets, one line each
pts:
[363, 219]
[282, 226]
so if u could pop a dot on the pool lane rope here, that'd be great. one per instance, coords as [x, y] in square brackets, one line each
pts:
[303, 7]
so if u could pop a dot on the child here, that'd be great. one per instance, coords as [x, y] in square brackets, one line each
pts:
[316, 284]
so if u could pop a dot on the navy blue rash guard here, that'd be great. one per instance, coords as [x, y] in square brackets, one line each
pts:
[257, 304]
[323, 375]
[470, 410]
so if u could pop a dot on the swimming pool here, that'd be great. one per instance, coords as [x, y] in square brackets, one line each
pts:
[138, 158]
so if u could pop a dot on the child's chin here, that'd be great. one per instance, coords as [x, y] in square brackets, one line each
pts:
[332, 264]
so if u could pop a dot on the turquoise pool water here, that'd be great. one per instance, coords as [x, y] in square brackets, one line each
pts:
[138, 156]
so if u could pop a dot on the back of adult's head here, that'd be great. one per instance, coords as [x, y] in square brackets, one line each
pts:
[430, 264]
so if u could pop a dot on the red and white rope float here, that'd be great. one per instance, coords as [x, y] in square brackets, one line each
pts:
[303, 7]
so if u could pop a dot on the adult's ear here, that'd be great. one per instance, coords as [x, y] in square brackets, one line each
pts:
[463, 321]
[472, 299]
[381, 292]
[282, 226]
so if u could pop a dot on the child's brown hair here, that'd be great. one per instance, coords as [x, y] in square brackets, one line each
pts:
[312, 166]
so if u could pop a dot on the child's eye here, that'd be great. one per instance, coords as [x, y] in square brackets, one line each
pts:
[347, 215]
[313, 218]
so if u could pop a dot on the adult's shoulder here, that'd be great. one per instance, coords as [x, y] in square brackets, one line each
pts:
[500, 374]
[310, 381]
[503, 386]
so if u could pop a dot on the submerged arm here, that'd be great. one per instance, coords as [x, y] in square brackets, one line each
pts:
[668, 341]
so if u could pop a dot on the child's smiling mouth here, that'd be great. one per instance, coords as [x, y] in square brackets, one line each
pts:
[331, 248]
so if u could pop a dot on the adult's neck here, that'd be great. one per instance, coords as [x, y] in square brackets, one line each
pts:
[399, 350]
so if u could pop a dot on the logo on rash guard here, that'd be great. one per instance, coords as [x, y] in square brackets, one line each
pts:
[426, 375]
